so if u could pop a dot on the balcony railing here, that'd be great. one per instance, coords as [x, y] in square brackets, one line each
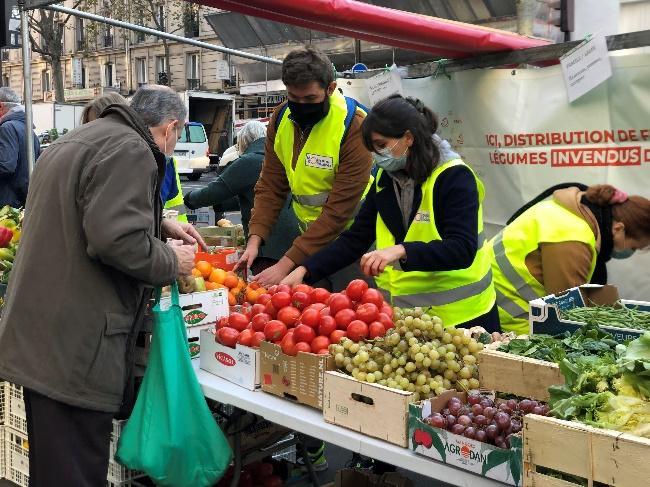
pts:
[193, 84]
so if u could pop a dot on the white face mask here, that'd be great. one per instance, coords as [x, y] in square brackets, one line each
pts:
[386, 160]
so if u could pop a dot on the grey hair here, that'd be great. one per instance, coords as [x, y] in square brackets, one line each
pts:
[158, 104]
[250, 132]
[7, 95]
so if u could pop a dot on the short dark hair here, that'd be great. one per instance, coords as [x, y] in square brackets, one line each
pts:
[392, 117]
[305, 65]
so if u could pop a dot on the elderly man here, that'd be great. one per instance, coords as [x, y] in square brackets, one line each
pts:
[90, 256]
[14, 170]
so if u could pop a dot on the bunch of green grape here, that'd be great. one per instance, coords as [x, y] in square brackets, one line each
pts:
[419, 355]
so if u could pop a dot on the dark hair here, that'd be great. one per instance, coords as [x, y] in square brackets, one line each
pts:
[634, 212]
[392, 117]
[305, 65]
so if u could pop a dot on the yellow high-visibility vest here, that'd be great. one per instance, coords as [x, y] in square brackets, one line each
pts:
[176, 203]
[455, 296]
[545, 222]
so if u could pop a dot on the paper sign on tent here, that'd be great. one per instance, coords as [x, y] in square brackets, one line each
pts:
[383, 85]
[585, 67]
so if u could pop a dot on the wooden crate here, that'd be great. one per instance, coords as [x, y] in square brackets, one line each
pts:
[521, 376]
[358, 405]
[609, 457]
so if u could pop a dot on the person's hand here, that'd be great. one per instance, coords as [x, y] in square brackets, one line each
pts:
[182, 231]
[185, 258]
[250, 254]
[275, 273]
[373, 263]
[295, 277]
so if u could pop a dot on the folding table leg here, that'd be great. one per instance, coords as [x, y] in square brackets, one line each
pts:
[305, 456]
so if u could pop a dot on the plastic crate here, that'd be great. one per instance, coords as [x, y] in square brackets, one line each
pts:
[16, 457]
[16, 417]
[3, 469]
[118, 474]
[128, 483]
[4, 403]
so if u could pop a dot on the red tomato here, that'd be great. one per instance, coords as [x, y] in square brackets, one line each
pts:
[300, 300]
[344, 317]
[304, 333]
[238, 321]
[222, 323]
[310, 317]
[302, 347]
[323, 351]
[302, 288]
[326, 325]
[246, 337]
[273, 480]
[357, 330]
[273, 289]
[386, 321]
[367, 312]
[280, 300]
[356, 289]
[257, 309]
[275, 330]
[259, 321]
[289, 316]
[376, 330]
[326, 311]
[270, 310]
[258, 337]
[317, 306]
[338, 302]
[319, 295]
[262, 299]
[287, 344]
[336, 336]
[227, 336]
[284, 288]
[319, 343]
[387, 309]
[373, 296]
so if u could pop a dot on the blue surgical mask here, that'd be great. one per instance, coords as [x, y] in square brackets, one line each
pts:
[622, 254]
[385, 159]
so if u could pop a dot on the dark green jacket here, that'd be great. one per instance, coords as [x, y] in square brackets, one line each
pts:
[238, 181]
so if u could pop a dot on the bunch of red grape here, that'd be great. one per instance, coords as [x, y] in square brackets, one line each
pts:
[484, 420]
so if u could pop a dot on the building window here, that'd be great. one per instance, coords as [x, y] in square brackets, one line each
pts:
[80, 34]
[5, 54]
[162, 73]
[140, 36]
[160, 17]
[191, 21]
[84, 83]
[108, 74]
[46, 81]
[108, 36]
[193, 71]
[5, 80]
[141, 71]
[62, 35]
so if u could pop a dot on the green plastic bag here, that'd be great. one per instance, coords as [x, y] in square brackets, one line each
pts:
[171, 434]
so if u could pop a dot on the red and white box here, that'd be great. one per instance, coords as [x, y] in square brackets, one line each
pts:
[240, 365]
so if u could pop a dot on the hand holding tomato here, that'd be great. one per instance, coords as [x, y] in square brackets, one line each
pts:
[373, 263]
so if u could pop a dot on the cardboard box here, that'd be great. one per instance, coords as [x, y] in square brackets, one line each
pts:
[223, 236]
[257, 433]
[357, 405]
[475, 456]
[143, 346]
[240, 365]
[521, 376]
[596, 455]
[202, 308]
[545, 312]
[203, 217]
[299, 378]
[350, 477]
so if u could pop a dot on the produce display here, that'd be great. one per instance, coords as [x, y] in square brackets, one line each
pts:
[419, 355]
[493, 340]
[588, 340]
[307, 319]
[10, 228]
[485, 420]
[206, 277]
[618, 316]
[610, 390]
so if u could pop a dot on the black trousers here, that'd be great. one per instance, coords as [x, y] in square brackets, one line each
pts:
[67, 445]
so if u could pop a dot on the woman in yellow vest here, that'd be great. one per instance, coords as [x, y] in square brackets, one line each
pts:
[551, 245]
[425, 214]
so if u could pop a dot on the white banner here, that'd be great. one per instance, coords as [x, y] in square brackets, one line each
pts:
[519, 132]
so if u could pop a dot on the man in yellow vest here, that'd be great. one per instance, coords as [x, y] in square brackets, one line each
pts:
[314, 149]
[171, 191]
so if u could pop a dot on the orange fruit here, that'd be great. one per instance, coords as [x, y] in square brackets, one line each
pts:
[231, 281]
[251, 295]
[204, 268]
[232, 300]
[217, 276]
[196, 273]
[211, 286]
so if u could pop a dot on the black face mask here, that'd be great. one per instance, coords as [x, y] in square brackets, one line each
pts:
[308, 114]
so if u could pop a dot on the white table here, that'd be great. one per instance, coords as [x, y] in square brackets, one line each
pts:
[310, 422]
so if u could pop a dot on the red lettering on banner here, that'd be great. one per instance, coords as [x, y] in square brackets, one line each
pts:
[601, 156]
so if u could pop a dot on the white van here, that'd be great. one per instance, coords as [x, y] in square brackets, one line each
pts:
[192, 153]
